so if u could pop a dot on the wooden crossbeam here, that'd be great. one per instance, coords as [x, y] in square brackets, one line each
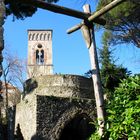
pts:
[97, 14]
[61, 10]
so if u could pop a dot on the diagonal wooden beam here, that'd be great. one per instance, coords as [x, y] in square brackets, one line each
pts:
[97, 14]
[61, 10]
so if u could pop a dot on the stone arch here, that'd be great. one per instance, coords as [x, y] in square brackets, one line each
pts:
[71, 117]
[78, 128]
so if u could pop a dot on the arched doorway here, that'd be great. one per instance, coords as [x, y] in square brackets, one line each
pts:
[79, 128]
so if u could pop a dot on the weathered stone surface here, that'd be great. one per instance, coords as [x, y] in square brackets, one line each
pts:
[50, 102]
[26, 117]
[56, 112]
[60, 85]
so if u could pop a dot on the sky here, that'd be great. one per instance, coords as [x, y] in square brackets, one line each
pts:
[70, 55]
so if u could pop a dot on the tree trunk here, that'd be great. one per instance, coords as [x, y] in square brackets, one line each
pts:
[88, 33]
[2, 16]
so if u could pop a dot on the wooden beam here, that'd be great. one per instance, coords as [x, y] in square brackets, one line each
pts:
[97, 14]
[61, 10]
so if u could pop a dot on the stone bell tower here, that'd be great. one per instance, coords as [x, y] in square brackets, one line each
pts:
[39, 53]
[53, 107]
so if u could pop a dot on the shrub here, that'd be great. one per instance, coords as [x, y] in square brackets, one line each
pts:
[124, 111]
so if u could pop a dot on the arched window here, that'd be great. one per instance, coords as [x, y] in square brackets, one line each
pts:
[42, 56]
[39, 55]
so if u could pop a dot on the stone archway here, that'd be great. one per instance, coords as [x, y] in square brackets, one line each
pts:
[78, 128]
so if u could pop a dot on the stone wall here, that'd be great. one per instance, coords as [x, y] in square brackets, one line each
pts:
[49, 102]
[26, 117]
[60, 86]
[53, 113]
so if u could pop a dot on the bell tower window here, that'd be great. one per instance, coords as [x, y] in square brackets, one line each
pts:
[39, 55]
[42, 56]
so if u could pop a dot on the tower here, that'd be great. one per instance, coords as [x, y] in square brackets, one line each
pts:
[39, 53]
[53, 107]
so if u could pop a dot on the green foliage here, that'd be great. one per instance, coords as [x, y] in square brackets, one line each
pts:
[20, 10]
[111, 74]
[123, 111]
[95, 136]
[123, 22]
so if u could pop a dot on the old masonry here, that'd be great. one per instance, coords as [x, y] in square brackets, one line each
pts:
[53, 107]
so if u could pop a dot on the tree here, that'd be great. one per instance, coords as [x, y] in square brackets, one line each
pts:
[123, 22]
[20, 10]
[13, 77]
[111, 74]
[14, 70]
[2, 16]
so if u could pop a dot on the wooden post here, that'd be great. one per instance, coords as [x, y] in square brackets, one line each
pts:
[88, 33]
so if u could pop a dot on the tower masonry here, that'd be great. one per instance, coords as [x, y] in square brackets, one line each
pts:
[53, 106]
[39, 53]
